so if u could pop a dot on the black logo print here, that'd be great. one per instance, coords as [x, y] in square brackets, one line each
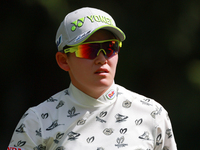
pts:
[60, 104]
[73, 136]
[60, 148]
[123, 131]
[159, 139]
[101, 115]
[108, 131]
[126, 104]
[90, 139]
[120, 118]
[39, 132]
[66, 92]
[53, 125]
[51, 99]
[156, 112]
[20, 143]
[169, 133]
[146, 102]
[120, 142]
[72, 112]
[58, 137]
[44, 116]
[40, 147]
[138, 122]
[145, 136]
[21, 128]
[81, 122]
[26, 114]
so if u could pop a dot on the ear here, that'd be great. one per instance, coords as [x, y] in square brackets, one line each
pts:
[61, 59]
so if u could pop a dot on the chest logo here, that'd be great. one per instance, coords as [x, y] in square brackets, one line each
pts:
[138, 121]
[73, 136]
[60, 104]
[81, 122]
[145, 136]
[123, 131]
[53, 125]
[101, 115]
[72, 112]
[39, 132]
[108, 131]
[51, 99]
[126, 104]
[58, 137]
[111, 95]
[20, 144]
[156, 112]
[44, 116]
[90, 139]
[20, 129]
[120, 118]
[120, 142]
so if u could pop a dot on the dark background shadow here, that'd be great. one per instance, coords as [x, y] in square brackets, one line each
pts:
[160, 57]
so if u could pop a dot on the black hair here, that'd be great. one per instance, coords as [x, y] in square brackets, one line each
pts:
[66, 47]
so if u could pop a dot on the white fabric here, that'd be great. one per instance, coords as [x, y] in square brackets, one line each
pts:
[72, 120]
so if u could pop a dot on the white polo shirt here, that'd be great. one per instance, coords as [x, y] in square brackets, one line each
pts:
[72, 120]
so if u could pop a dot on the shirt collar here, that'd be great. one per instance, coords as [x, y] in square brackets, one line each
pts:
[85, 100]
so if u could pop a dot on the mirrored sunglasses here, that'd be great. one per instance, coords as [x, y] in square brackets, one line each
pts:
[91, 50]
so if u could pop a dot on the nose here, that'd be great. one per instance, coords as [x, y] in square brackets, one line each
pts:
[100, 59]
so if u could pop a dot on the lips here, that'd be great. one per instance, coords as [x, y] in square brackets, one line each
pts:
[101, 70]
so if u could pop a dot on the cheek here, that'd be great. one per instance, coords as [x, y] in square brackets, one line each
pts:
[113, 62]
[79, 67]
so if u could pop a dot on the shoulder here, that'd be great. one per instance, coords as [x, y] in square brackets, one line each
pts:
[141, 100]
[49, 106]
[52, 101]
[128, 93]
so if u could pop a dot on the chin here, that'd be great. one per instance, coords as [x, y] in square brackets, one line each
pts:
[104, 83]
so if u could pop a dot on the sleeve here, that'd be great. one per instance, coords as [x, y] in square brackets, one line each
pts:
[28, 133]
[164, 138]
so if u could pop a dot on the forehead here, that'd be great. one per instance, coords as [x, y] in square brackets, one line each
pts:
[101, 35]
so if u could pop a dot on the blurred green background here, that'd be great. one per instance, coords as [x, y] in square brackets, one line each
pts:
[160, 57]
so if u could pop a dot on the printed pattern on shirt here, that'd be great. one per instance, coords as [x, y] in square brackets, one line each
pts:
[131, 119]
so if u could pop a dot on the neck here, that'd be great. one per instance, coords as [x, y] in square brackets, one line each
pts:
[82, 99]
[94, 92]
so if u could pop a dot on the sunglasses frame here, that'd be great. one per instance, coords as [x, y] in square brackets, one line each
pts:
[75, 48]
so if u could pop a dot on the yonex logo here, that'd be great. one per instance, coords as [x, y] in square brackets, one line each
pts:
[93, 18]
[100, 19]
[78, 23]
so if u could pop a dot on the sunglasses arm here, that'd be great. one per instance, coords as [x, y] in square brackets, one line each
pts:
[71, 49]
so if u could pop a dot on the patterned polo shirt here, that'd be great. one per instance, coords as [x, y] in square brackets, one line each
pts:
[72, 120]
